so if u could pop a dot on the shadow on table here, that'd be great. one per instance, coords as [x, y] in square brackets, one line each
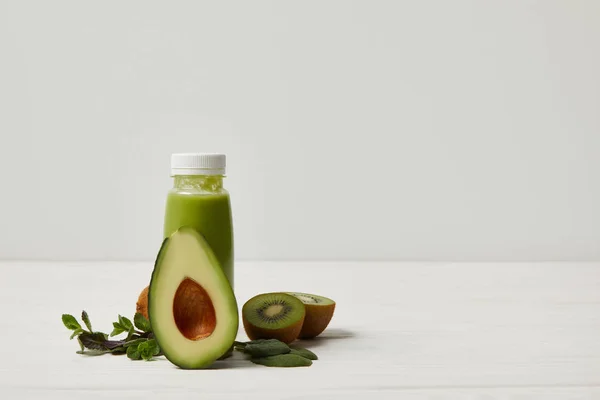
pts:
[228, 364]
[330, 335]
[236, 361]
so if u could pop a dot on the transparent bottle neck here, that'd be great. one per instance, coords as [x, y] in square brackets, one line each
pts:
[208, 183]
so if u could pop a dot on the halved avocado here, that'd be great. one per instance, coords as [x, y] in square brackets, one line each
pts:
[191, 305]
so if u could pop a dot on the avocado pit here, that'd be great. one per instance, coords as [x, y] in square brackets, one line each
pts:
[193, 310]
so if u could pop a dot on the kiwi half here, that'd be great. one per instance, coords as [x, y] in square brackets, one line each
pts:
[319, 311]
[273, 316]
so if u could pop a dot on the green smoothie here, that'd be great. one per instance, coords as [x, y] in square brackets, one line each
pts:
[201, 203]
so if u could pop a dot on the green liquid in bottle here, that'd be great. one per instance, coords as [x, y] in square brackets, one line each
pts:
[201, 203]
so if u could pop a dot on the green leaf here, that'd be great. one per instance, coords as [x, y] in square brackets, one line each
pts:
[153, 347]
[134, 342]
[77, 332]
[86, 320]
[133, 353]
[113, 344]
[125, 323]
[119, 350]
[93, 341]
[145, 351]
[266, 348]
[118, 329]
[304, 353]
[283, 360]
[70, 322]
[142, 323]
[148, 349]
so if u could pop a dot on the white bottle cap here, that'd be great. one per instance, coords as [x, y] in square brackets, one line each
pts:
[197, 164]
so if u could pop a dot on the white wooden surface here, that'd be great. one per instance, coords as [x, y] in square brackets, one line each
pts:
[410, 331]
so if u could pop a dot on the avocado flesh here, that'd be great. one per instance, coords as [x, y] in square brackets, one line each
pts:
[191, 305]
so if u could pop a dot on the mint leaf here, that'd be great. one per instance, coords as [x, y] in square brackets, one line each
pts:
[119, 350]
[93, 341]
[153, 346]
[133, 353]
[148, 349]
[70, 322]
[144, 351]
[113, 345]
[76, 332]
[116, 332]
[118, 329]
[86, 320]
[142, 323]
[125, 323]
[134, 342]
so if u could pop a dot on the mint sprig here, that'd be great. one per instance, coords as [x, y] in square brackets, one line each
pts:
[139, 344]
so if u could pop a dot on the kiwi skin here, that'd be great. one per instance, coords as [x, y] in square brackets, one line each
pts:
[317, 318]
[286, 334]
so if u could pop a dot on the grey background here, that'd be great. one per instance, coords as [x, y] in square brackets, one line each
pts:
[366, 130]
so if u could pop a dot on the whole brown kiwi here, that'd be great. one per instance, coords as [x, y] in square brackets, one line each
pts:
[142, 303]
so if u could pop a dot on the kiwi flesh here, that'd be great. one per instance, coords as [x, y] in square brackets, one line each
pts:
[273, 316]
[319, 311]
